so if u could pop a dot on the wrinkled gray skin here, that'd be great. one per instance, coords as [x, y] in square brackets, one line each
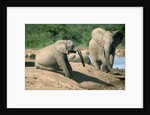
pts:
[54, 57]
[102, 48]
[74, 57]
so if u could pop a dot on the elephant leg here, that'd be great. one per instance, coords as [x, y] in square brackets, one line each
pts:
[104, 65]
[93, 51]
[104, 68]
[88, 60]
[96, 64]
[38, 66]
[65, 65]
[111, 57]
[111, 60]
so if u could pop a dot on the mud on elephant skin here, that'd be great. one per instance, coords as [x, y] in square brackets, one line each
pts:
[102, 48]
[54, 57]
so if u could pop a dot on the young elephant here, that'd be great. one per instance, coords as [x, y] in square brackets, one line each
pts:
[102, 48]
[74, 57]
[54, 57]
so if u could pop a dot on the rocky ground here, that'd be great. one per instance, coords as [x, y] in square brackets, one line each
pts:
[84, 78]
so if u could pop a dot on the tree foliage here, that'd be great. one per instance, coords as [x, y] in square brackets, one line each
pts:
[40, 35]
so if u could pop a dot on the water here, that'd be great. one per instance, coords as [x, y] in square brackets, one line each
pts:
[119, 62]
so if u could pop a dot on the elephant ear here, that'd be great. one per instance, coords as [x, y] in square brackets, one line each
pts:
[97, 35]
[60, 45]
[118, 36]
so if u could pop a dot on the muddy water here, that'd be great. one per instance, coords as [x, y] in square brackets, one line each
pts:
[119, 62]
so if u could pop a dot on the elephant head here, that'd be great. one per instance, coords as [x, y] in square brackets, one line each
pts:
[67, 46]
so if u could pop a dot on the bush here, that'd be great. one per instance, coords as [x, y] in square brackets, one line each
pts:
[40, 35]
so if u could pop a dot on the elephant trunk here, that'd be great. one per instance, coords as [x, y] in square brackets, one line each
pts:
[112, 55]
[80, 54]
[107, 56]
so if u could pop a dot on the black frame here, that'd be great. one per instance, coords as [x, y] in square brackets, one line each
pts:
[33, 3]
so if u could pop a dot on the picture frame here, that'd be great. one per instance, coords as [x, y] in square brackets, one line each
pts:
[5, 79]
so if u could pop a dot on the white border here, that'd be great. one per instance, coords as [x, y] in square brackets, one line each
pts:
[18, 97]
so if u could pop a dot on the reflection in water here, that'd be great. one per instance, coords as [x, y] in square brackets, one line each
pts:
[119, 62]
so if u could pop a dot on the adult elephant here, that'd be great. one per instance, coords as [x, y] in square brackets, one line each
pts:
[102, 48]
[54, 57]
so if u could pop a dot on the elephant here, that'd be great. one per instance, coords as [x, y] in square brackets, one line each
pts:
[54, 57]
[102, 48]
[30, 54]
[74, 57]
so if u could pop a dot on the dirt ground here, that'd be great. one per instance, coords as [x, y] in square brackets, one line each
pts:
[84, 78]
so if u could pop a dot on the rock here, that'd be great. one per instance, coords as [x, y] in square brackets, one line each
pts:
[120, 52]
